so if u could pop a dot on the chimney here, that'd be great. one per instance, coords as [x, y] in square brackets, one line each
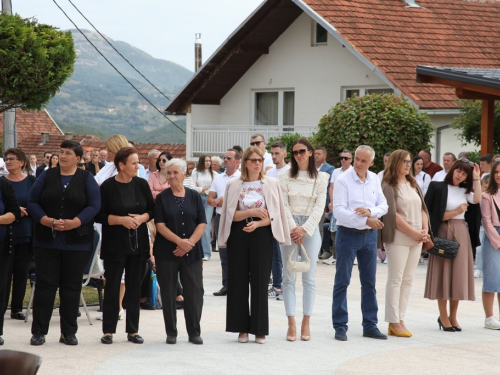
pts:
[197, 52]
[45, 136]
[68, 136]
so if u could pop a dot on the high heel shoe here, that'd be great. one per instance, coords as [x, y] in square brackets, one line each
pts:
[457, 328]
[242, 338]
[306, 337]
[393, 332]
[447, 329]
[289, 336]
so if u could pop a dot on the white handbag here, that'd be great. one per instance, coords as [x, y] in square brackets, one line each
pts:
[294, 265]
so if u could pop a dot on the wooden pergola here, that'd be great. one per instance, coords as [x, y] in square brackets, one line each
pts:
[469, 83]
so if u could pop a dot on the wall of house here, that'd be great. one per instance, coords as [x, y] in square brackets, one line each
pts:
[316, 74]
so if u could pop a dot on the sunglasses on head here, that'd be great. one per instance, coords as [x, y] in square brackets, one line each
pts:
[300, 152]
[464, 160]
[256, 143]
[345, 158]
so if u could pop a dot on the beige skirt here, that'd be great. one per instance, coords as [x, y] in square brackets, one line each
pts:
[452, 278]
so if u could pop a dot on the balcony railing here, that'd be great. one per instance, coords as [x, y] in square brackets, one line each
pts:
[216, 139]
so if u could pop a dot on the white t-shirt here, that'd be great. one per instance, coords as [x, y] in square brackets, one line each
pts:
[274, 171]
[268, 160]
[439, 176]
[337, 172]
[202, 179]
[251, 195]
[456, 197]
[218, 186]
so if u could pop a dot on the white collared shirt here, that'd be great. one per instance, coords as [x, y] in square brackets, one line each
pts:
[219, 185]
[337, 172]
[351, 193]
[439, 176]
[268, 161]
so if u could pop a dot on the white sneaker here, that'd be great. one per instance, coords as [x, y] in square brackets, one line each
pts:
[330, 261]
[355, 261]
[99, 317]
[478, 274]
[491, 323]
[205, 259]
[120, 314]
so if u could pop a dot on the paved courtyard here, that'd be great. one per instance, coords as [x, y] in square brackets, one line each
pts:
[429, 351]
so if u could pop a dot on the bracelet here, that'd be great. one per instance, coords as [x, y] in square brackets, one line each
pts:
[53, 230]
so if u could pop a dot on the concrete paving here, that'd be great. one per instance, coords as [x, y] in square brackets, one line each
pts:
[429, 351]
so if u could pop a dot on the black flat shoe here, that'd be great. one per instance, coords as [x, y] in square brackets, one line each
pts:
[37, 339]
[171, 340]
[179, 305]
[18, 316]
[107, 339]
[68, 339]
[146, 305]
[221, 292]
[197, 340]
[446, 329]
[135, 339]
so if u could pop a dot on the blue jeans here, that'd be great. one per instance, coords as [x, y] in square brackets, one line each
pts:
[277, 266]
[348, 245]
[206, 237]
[325, 245]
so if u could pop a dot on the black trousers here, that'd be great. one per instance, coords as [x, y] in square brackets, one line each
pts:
[113, 270]
[146, 280]
[222, 253]
[4, 266]
[250, 258]
[61, 269]
[18, 273]
[192, 283]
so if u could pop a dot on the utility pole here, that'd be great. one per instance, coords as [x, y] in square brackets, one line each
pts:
[9, 117]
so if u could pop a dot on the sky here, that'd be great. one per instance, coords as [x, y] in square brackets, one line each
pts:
[163, 28]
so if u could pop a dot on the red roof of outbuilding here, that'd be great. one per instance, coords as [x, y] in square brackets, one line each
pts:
[32, 122]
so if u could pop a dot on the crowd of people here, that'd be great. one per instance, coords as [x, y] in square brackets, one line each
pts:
[272, 217]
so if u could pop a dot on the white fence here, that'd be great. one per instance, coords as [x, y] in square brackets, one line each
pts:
[216, 139]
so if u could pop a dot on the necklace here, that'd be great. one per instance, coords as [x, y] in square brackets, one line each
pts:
[130, 235]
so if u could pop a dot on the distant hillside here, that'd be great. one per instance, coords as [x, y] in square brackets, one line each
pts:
[97, 99]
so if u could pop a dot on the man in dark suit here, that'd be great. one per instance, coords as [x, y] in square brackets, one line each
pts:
[94, 166]
[46, 157]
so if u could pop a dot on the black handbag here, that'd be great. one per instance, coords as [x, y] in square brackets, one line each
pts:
[445, 248]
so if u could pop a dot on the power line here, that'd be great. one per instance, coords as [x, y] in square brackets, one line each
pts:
[118, 52]
[109, 62]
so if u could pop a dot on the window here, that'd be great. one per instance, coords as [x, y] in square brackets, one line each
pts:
[274, 108]
[321, 35]
[350, 92]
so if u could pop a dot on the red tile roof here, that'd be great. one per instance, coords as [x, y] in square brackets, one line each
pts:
[32, 122]
[396, 39]
[34, 145]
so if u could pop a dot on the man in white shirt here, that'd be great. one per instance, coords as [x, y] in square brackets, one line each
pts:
[215, 199]
[103, 156]
[278, 154]
[152, 158]
[448, 160]
[381, 173]
[345, 163]
[259, 141]
[358, 204]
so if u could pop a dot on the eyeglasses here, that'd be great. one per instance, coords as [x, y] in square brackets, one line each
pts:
[464, 160]
[10, 159]
[407, 162]
[255, 160]
[300, 152]
[256, 143]
[162, 160]
[345, 158]
[228, 157]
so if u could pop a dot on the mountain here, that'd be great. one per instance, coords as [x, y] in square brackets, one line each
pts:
[97, 99]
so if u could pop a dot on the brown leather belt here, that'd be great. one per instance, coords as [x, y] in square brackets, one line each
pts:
[359, 231]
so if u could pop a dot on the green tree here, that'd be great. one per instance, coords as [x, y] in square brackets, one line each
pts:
[288, 138]
[384, 122]
[35, 60]
[469, 123]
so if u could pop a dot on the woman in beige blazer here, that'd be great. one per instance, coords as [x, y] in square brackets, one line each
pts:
[252, 214]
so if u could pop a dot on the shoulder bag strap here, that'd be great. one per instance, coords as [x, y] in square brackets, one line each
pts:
[454, 235]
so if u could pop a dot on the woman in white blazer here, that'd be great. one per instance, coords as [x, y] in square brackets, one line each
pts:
[253, 213]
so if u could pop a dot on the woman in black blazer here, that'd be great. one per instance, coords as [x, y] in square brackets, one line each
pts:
[127, 206]
[180, 223]
[451, 280]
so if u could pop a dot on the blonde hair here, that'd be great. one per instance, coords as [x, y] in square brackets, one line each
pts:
[116, 142]
[246, 154]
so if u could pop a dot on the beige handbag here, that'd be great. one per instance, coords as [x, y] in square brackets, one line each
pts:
[293, 265]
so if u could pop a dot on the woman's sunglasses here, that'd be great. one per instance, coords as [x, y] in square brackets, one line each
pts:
[464, 160]
[162, 160]
[301, 152]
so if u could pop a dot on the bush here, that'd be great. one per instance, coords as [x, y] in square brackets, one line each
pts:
[288, 138]
[384, 122]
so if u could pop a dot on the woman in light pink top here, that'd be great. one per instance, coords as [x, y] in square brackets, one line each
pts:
[158, 180]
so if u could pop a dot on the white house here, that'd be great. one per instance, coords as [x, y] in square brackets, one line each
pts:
[290, 61]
